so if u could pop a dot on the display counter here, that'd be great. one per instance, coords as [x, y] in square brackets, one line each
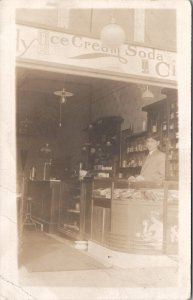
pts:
[56, 205]
[70, 208]
[140, 218]
[141, 221]
[44, 197]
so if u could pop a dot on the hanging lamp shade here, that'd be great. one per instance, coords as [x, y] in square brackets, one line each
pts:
[63, 98]
[147, 94]
[63, 94]
[112, 35]
[46, 151]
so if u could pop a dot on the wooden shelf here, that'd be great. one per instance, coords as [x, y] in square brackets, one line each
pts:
[136, 135]
[129, 168]
[69, 209]
[71, 233]
[102, 178]
[103, 171]
[173, 149]
[137, 152]
[73, 211]
[101, 198]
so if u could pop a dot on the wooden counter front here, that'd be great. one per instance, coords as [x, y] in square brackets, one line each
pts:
[45, 200]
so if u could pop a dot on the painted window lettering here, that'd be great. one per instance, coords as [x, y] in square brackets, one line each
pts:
[59, 47]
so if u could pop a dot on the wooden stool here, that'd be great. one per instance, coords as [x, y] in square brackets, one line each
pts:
[28, 218]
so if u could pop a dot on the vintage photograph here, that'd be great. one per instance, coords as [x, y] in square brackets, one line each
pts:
[98, 120]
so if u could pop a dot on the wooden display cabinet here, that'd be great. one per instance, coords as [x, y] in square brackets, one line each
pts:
[101, 154]
[44, 202]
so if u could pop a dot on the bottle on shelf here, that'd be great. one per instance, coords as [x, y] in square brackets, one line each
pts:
[154, 124]
[164, 123]
[172, 115]
[32, 175]
[172, 106]
[124, 164]
[171, 155]
[171, 125]
[144, 125]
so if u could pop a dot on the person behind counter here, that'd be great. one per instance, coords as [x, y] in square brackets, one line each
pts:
[153, 168]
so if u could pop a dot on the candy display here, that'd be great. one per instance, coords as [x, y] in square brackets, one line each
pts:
[102, 192]
[133, 194]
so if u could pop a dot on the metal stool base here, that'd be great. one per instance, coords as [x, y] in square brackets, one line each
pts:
[29, 221]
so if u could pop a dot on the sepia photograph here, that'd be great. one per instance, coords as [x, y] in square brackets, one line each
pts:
[95, 150]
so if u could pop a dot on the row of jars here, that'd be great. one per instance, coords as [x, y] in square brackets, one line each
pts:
[136, 148]
[132, 163]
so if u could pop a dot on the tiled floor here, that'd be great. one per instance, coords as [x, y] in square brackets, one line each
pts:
[105, 277]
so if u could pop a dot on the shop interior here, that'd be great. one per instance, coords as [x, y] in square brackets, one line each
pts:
[67, 128]
[76, 153]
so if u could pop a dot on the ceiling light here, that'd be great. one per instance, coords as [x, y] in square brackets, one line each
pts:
[147, 94]
[46, 151]
[63, 98]
[112, 35]
[63, 94]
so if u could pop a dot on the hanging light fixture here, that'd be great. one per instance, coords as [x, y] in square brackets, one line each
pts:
[46, 151]
[112, 35]
[63, 98]
[147, 94]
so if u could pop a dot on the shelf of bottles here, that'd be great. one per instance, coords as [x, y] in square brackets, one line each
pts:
[173, 141]
[134, 154]
[163, 120]
[101, 152]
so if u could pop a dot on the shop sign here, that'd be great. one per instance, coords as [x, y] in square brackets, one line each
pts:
[79, 51]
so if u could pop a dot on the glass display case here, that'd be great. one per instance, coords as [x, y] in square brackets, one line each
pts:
[101, 210]
[138, 217]
[70, 208]
[171, 223]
